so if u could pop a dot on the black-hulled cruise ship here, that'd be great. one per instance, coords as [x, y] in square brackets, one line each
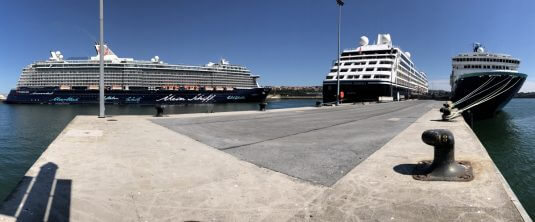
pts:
[129, 81]
[374, 72]
[482, 83]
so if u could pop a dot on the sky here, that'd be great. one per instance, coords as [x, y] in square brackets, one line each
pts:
[285, 42]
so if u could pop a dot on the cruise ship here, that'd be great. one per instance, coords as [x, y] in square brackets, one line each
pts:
[374, 72]
[128, 81]
[482, 83]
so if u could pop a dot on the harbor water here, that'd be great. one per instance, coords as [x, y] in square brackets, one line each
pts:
[26, 130]
[510, 142]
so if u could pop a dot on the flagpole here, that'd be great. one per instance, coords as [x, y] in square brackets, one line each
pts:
[101, 53]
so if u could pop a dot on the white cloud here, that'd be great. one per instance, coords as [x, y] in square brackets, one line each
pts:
[440, 84]
[529, 86]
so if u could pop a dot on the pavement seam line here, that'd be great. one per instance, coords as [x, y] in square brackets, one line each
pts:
[268, 117]
[315, 129]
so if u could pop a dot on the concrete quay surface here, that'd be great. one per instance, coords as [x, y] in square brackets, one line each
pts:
[347, 163]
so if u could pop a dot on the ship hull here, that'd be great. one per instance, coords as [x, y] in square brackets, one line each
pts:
[504, 85]
[360, 91]
[143, 97]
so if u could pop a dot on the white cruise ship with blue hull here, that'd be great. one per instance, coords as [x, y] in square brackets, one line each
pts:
[129, 81]
[482, 83]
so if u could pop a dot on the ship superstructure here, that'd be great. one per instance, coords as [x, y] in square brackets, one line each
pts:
[482, 83]
[75, 80]
[374, 71]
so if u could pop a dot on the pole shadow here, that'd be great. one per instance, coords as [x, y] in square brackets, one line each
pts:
[40, 198]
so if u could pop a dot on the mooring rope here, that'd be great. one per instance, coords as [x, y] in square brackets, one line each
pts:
[469, 96]
[492, 95]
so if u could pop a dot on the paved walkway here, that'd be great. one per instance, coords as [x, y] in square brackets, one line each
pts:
[128, 168]
[316, 145]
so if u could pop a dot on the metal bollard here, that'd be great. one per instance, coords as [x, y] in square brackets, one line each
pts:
[443, 167]
[318, 104]
[446, 110]
[262, 106]
[159, 110]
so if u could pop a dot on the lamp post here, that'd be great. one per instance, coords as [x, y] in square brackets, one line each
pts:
[101, 53]
[340, 4]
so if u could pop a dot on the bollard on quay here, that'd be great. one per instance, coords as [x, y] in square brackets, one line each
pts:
[262, 106]
[443, 167]
[159, 110]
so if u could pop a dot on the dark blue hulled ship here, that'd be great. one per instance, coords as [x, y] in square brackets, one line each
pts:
[482, 83]
[129, 81]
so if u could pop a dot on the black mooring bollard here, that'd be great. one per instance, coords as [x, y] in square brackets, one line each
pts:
[443, 167]
[159, 110]
[262, 106]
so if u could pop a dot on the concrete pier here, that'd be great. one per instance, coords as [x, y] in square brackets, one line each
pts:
[347, 163]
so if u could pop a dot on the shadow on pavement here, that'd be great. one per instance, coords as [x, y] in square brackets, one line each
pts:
[41, 198]
[405, 169]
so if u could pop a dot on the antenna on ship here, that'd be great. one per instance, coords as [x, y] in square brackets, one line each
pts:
[101, 80]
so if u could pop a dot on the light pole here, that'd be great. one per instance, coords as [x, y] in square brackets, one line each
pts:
[340, 4]
[101, 53]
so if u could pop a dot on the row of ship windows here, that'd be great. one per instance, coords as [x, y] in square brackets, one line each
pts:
[361, 69]
[134, 73]
[364, 63]
[119, 81]
[408, 67]
[406, 60]
[132, 80]
[377, 52]
[368, 57]
[486, 60]
[130, 77]
[134, 85]
[123, 65]
[398, 79]
[135, 76]
[487, 67]
[145, 84]
[358, 76]
[412, 77]
[414, 73]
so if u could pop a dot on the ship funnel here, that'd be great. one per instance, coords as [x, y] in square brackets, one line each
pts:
[384, 39]
[108, 54]
[107, 51]
[56, 56]
[364, 40]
